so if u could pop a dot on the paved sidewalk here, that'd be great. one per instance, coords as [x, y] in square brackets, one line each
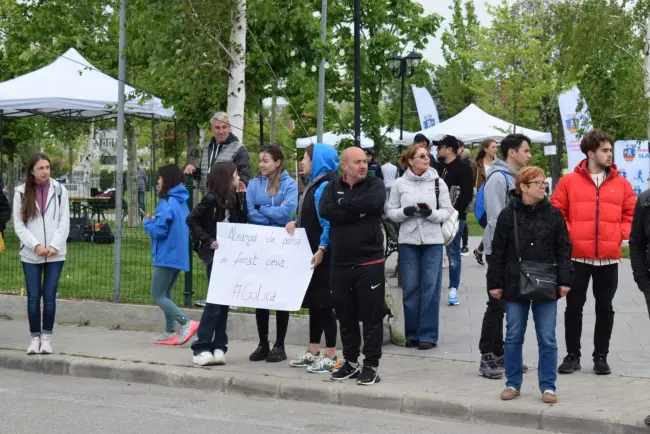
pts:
[460, 326]
[410, 383]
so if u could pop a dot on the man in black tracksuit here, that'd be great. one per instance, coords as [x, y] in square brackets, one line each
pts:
[353, 204]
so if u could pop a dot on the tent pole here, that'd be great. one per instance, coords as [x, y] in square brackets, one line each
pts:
[153, 156]
[2, 148]
[120, 153]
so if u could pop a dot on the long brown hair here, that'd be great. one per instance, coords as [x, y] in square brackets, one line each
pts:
[481, 154]
[276, 154]
[172, 176]
[29, 197]
[221, 183]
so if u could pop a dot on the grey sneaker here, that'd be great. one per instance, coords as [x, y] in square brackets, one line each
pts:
[489, 368]
[501, 363]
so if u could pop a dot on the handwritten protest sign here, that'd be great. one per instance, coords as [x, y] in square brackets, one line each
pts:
[260, 266]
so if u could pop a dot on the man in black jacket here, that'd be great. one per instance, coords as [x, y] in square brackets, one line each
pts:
[353, 204]
[460, 181]
[640, 249]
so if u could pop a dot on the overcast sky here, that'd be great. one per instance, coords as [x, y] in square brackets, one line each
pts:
[433, 52]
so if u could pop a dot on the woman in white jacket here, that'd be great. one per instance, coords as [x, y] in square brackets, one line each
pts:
[415, 204]
[42, 222]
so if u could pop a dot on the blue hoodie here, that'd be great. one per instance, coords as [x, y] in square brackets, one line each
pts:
[326, 159]
[267, 210]
[168, 231]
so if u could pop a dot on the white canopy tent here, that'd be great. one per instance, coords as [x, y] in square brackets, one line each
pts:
[333, 139]
[474, 125]
[72, 88]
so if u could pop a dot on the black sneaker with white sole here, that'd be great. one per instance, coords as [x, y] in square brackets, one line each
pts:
[346, 371]
[368, 376]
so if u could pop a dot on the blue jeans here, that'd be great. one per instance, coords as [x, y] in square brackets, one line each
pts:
[211, 334]
[162, 282]
[453, 253]
[141, 200]
[544, 315]
[421, 268]
[42, 280]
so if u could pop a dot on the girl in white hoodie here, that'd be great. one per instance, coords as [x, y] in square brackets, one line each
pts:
[42, 222]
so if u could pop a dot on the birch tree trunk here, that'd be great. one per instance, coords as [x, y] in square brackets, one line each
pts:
[237, 80]
[132, 176]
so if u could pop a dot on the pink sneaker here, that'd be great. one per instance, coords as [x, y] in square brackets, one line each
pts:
[167, 339]
[187, 331]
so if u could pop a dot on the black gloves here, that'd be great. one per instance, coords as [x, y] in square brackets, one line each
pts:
[410, 211]
[425, 212]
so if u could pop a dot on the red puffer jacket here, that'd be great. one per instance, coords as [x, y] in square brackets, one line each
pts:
[599, 219]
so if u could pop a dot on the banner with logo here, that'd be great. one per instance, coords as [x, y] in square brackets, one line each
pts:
[427, 110]
[633, 162]
[572, 122]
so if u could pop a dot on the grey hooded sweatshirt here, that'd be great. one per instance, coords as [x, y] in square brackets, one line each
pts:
[496, 194]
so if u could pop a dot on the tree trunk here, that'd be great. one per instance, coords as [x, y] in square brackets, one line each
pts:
[86, 159]
[193, 144]
[132, 176]
[11, 178]
[237, 80]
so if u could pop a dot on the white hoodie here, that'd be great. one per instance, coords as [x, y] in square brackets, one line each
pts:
[49, 230]
[410, 190]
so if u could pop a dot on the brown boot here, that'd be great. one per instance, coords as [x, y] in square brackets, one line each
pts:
[549, 397]
[509, 393]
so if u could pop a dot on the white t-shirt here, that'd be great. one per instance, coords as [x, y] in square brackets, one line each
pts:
[389, 170]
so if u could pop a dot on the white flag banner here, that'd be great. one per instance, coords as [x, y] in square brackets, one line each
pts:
[572, 121]
[632, 159]
[260, 266]
[427, 110]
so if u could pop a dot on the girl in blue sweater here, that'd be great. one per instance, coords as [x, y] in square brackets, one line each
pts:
[272, 199]
[170, 251]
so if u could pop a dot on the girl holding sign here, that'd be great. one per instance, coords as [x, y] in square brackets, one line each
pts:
[170, 252]
[321, 163]
[225, 202]
[271, 199]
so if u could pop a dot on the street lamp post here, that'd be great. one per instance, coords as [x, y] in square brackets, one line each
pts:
[403, 67]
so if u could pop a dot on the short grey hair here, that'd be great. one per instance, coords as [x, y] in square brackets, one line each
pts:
[220, 116]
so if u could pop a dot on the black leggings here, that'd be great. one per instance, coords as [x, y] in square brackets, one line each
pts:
[465, 236]
[281, 326]
[322, 319]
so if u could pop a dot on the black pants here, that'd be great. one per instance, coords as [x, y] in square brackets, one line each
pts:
[465, 236]
[605, 282]
[492, 328]
[322, 319]
[211, 334]
[281, 326]
[359, 295]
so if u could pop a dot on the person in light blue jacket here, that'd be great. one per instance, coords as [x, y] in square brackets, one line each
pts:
[170, 252]
[271, 199]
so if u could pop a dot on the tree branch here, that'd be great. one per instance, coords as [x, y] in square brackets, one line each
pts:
[210, 35]
[626, 51]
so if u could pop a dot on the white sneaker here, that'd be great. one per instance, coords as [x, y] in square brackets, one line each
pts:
[34, 346]
[204, 359]
[219, 357]
[46, 344]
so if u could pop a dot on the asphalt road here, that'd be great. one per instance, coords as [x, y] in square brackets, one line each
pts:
[36, 403]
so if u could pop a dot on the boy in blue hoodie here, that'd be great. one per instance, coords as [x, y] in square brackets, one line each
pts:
[271, 199]
[170, 252]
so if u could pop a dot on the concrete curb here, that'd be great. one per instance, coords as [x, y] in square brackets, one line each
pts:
[463, 409]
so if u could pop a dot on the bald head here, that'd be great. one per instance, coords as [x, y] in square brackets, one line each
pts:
[354, 164]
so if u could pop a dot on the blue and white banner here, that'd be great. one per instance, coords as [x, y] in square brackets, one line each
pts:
[427, 110]
[573, 121]
[633, 162]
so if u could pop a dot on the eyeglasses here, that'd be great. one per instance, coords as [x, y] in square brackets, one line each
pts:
[538, 183]
[422, 157]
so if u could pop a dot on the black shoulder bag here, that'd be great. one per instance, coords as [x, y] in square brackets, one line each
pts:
[537, 280]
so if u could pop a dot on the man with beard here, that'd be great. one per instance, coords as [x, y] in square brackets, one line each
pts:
[460, 180]
[598, 206]
[224, 146]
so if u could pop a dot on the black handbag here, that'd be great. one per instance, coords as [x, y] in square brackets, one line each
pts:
[537, 280]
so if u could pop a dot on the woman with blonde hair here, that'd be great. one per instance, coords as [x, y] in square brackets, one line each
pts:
[530, 269]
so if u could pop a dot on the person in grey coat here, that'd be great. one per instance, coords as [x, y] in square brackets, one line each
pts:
[143, 180]
[515, 150]
[224, 146]
[414, 203]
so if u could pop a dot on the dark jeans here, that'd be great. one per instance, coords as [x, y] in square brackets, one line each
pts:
[492, 329]
[465, 236]
[359, 295]
[42, 280]
[211, 334]
[421, 268]
[322, 319]
[141, 200]
[604, 282]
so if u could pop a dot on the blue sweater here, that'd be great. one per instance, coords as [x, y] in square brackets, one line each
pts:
[326, 159]
[168, 231]
[267, 210]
